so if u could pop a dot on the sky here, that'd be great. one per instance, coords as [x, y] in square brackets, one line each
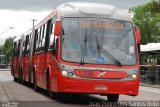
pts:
[19, 13]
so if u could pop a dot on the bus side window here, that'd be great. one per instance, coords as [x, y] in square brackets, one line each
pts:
[38, 39]
[27, 42]
[25, 45]
[52, 36]
[18, 50]
[51, 41]
[40, 36]
[44, 35]
[24, 42]
[28, 45]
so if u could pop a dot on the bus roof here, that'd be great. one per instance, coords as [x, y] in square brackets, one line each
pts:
[150, 47]
[17, 38]
[86, 9]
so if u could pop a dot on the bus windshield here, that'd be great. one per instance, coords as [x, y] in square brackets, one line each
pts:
[98, 41]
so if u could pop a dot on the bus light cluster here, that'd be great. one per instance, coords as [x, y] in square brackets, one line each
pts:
[72, 74]
[68, 73]
[131, 76]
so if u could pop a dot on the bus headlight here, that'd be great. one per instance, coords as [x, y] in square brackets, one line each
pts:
[64, 73]
[134, 76]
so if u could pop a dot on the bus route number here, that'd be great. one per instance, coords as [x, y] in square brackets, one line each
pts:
[87, 73]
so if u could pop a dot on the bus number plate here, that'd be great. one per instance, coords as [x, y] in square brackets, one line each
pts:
[87, 73]
[100, 87]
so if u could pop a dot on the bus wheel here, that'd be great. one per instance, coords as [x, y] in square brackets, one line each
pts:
[20, 75]
[113, 97]
[52, 95]
[15, 79]
[21, 81]
[35, 83]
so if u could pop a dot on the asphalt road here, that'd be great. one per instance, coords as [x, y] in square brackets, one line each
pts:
[18, 95]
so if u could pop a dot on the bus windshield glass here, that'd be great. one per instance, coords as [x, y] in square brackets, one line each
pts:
[98, 41]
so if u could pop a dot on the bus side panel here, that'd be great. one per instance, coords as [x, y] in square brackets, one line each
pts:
[23, 70]
[26, 68]
[14, 66]
[40, 64]
[46, 71]
[36, 63]
[43, 69]
[53, 72]
[40, 69]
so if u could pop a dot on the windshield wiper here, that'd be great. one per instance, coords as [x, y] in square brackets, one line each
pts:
[101, 49]
[84, 48]
[98, 47]
[116, 61]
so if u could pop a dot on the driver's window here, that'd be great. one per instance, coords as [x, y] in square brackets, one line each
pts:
[51, 41]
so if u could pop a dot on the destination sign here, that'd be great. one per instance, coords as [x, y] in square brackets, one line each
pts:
[102, 25]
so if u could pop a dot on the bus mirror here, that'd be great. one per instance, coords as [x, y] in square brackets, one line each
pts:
[57, 28]
[137, 33]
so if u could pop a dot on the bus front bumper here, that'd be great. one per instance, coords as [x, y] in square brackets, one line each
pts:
[73, 85]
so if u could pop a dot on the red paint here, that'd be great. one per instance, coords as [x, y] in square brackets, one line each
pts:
[87, 86]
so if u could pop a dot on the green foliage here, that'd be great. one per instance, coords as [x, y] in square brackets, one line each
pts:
[147, 18]
[1, 49]
[6, 49]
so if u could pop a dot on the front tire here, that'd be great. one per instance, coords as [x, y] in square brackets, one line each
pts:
[113, 97]
[52, 95]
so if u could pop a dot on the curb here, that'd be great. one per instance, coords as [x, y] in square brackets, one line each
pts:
[150, 85]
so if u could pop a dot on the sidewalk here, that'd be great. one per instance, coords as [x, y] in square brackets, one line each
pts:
[148, 84]
[8, 69]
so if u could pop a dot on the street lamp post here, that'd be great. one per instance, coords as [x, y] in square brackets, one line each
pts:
[6, 30]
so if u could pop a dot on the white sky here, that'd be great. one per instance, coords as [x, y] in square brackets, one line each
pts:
[20, 20]
[19, 16]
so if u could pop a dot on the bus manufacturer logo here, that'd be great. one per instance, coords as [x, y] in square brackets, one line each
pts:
[102, 73]
[102, 69]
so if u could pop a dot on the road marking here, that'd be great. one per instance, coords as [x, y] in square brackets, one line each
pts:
[150, 89]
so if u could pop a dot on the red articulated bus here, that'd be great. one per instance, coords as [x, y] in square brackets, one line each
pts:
[80, 48]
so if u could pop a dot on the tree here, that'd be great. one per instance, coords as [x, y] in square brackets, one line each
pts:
[7, 47]
[147, 18]
[1, 49]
